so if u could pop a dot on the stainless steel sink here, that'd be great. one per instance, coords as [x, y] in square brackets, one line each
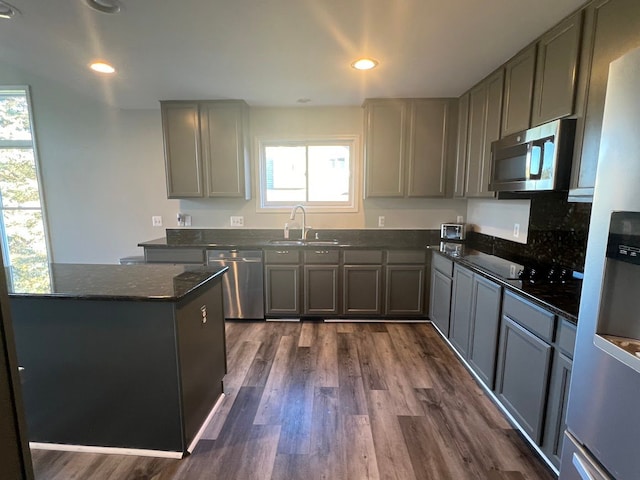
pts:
[287, 242]
[313, 243]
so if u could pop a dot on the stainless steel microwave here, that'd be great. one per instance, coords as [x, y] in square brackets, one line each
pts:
[452, 231]
[538, 159]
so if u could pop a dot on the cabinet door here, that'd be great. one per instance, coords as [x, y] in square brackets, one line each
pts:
[282, 285]
[518, 91]
[556, 71]
[522, 376]
[485, 323]
[321, 289]
[202, 354]
[224, 148]
[181, 134]
[461, 309]
[440, 304]
[475, 139]
[428, 142]
[557, 407]
[611, 29]
[404, 290]
[362, 289]
[385, 143]
[485, 110]
[461, 152]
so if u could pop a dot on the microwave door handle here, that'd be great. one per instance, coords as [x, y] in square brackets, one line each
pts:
[528, 162]
[534, 161]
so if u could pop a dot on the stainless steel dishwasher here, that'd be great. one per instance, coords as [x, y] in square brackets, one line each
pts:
[242, 285]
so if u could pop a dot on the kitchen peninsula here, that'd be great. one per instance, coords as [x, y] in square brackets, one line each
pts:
[128, 359]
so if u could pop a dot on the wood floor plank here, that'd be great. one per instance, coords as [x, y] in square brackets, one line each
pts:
[326, 371]
[360, 450]
[311, 389]
[270, 408]
[394, 462]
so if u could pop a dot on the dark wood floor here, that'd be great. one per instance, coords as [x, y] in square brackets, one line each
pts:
[335, 401]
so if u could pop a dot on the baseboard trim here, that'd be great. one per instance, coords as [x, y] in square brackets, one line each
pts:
[105, 450]
[205, 424]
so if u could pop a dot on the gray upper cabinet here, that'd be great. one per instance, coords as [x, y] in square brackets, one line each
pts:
[518, 91]
[485, 111]
[407, 147]
[385, 146]
[461, 146]
[610, 30]
[206, 148]
[557, 71]
[183, 162]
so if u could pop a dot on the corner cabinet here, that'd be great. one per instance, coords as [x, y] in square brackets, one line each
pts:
[407, 147]
[206, 148]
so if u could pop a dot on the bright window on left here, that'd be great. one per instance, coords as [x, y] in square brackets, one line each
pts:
[22, 220]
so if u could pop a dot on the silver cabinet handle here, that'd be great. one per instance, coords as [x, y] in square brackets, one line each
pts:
[21, 369]
[203, 310]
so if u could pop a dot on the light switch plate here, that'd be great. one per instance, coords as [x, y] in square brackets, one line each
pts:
[516, 230]
[156, 221]
[381, 221]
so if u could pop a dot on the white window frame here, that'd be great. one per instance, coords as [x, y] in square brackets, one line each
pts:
[27, 144]
[352, 141]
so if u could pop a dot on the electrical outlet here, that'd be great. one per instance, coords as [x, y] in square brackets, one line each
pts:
[516, 230]
[236, 221]
[381, 221]
[459, 219]
[156, 221]
[512, 270]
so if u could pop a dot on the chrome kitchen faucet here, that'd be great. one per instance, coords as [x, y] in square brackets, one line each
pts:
[303, 236]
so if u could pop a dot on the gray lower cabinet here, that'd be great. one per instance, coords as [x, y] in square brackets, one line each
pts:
[175, 255]
[524, 362]
[282, 283]
[485, 326]
[557, 407]
[320, 282]
[440, 293]
[461, 305]
[405, 283]
[362, 282]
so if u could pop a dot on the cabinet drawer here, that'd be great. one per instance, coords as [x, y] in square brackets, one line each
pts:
[282, 256]
[174, 255]
[566, 340]
[405, 256]
[359, 257]
[321, 256]
[530, 316]
[442, 264]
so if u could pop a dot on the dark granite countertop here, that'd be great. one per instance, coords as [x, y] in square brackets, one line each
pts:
[113, 282]
[561, 298]
[261, 238]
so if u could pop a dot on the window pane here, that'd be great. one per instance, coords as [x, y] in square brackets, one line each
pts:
[285, 174]
[329, 173]
[14, 117]
[27, 249]
[18, 180]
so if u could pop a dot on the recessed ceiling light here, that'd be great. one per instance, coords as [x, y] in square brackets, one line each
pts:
[102, 67]
[364, 64]
[105, 6]
[7, 10]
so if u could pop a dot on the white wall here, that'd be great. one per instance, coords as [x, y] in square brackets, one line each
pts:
[497, 217]
[102, 171]
[103, 175]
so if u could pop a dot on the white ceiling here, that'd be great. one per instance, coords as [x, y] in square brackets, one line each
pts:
[273, 52]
